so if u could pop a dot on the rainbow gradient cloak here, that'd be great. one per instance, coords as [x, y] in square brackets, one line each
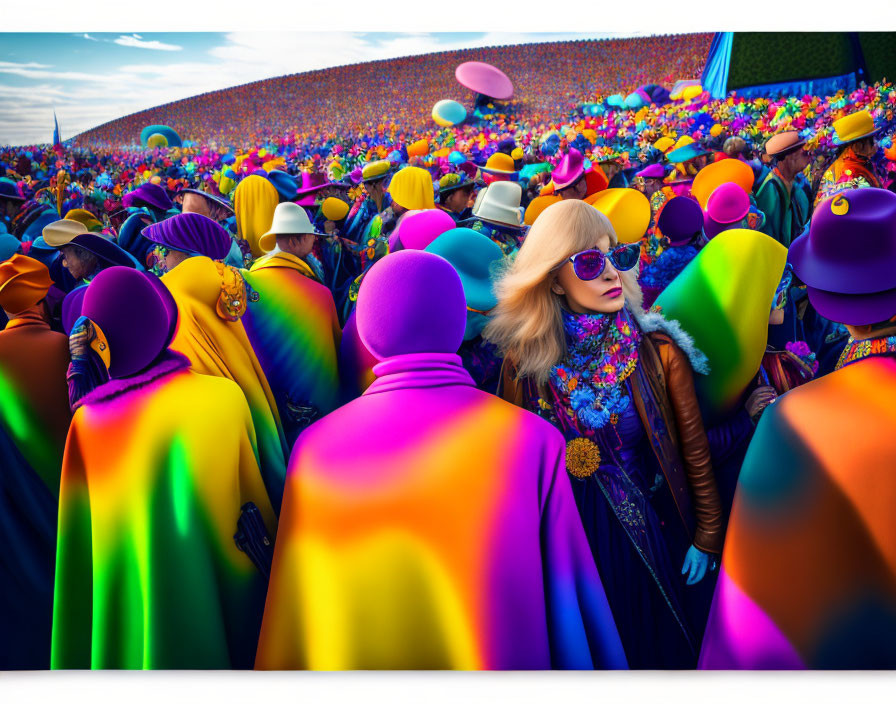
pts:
[295, 333]
[446, 538]
[147, 572]
[808, 576]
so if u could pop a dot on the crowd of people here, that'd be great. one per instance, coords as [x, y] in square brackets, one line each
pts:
[609, 389]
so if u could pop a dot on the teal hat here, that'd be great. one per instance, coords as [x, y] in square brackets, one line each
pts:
[472, 255]
[9, 245]
[685, 153]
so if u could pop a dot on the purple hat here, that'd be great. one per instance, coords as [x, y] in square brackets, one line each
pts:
[148, 194]
[652, 171]
[223, 202]
[418, 228]
[411, 302]
[191, 233]
[137, 333]
[71, 308]
[680, 219]
[848, 257]
[569, 170]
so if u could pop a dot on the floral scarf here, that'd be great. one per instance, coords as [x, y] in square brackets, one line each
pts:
[602, 352]
[860, 349]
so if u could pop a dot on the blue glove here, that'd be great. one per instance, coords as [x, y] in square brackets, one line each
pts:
[696, 564]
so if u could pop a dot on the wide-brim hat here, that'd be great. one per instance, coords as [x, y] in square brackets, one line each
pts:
[311, 183]
[852, 128]
[473, 256]
[150, 194]
[224, 203]
[499, 204]
[685, 153]
[84, 216]
[62, 232]
[499, 163]
[9, 191]
[191, 233]
[375, 170]
[570, 169]
[105, 250]
[784, 143]
[289, 219]
[854, 284]
[628, 211]
[653, 171]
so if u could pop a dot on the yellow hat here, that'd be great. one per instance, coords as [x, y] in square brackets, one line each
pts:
[61, 232]
[716, 130]
[628, 211]
[854, 127]
[412, 188]
[714, 175]
[517, 154]
[499, 163]
[334, 209]
[375, 170]
[537, 207]
[86, 218]
[683, 141]
[664, 144]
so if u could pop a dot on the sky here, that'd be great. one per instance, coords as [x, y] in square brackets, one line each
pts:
[91, 78]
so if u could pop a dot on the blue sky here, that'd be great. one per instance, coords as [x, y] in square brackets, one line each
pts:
[91, 78]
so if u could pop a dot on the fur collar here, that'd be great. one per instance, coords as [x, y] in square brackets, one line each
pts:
[167, 363]
[655, 322]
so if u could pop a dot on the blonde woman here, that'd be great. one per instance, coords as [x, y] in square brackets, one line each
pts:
[580, 351]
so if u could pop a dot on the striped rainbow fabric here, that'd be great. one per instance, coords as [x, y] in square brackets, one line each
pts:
[147, 572]
[443, 536]
[808, 574]
[295, 333]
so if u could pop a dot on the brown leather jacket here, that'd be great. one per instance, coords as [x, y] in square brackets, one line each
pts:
[684, 447]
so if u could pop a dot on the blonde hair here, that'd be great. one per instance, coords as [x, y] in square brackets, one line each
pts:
[527, 325]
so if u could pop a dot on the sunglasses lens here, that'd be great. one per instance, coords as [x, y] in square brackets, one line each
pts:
[625, 258]
[588, 265]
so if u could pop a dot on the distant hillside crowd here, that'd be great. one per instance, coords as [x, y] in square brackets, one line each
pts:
[398, 94]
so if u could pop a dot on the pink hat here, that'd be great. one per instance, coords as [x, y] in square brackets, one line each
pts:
[569, 170]
[418, 229]
[652, 171]
[727, 205]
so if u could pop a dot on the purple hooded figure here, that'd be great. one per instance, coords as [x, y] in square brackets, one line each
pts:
[453, 509]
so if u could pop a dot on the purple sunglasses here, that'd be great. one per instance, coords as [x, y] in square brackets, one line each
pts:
[590, 264]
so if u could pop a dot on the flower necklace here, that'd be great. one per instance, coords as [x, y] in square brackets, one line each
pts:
[602, 352]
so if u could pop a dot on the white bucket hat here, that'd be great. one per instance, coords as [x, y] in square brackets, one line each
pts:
[499, 203]
[289, 219]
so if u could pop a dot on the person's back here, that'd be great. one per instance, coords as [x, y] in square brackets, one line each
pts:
[809, 569]
[157, 466]
[808, 577]
[443, 536]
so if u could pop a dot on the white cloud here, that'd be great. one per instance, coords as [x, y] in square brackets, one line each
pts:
[87, 36]
[29, 65]
[136, 41]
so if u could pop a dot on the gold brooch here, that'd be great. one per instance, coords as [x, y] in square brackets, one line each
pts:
[582, 458]
[839, 206]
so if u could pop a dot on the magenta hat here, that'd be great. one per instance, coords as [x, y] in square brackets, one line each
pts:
[848, 257]
[136, 333]
[418, 228]
[148, 194]
[680, 219]
[411, 302]
[727, 204]
[652, 171]
[569, 170]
